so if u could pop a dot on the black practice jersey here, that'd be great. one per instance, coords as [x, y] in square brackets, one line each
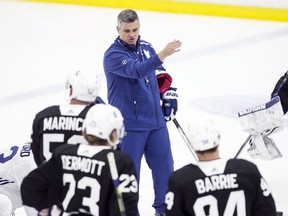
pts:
[219, 188]
[81, 176]
[56, 125]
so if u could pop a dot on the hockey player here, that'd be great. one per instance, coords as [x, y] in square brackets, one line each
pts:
[281, 90]
[81, 173]
[130, 66]
[263, 120]
[62, 123]
[5, 205]
[15, 163]
[215, 186]
[260, 122]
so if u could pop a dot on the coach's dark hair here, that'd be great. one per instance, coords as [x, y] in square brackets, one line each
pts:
[127, 16]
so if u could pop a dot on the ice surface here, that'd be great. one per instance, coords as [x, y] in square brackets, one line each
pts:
[225, 65]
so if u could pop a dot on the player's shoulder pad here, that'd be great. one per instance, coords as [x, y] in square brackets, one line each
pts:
[239, 164]
[99, 100]
[63, 148]
[47, 111]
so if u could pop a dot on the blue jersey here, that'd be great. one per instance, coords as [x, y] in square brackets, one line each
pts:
[15, 163]
[132, 84]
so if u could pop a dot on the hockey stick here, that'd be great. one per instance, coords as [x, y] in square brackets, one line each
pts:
[179, 128]
[242, 146]
[275, 94]
[114, 174]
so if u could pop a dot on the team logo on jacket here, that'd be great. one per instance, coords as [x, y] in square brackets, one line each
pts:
[124, 62]
[147, 54]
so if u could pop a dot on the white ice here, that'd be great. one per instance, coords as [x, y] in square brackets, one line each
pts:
[225, 65]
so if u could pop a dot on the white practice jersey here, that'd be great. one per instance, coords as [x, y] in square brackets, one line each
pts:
[15, 163]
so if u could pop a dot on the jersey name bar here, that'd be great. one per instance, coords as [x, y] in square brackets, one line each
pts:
[216, 182]
[63, 123]
[82, 164]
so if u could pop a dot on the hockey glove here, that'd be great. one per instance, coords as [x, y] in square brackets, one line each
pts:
[170, 103]
[164, 81]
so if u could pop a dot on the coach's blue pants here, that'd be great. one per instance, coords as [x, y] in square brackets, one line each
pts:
[155, 146]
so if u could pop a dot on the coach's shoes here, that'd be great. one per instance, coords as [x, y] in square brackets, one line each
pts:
[158, 214]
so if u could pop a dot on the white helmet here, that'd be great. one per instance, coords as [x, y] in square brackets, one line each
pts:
[101, 120]
[5, 205]
[203, 134]
[84, 87]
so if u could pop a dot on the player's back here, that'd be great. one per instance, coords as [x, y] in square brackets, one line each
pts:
[83, 179]
[94, 175]
[15, 163]
[56, 125]
[223, 188]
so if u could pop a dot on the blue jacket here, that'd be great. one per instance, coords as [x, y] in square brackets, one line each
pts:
[132, 84]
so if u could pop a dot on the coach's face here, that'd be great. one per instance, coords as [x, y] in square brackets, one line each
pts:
[129, 32]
